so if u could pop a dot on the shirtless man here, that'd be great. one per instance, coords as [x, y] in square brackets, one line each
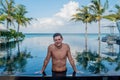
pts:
[59, 52]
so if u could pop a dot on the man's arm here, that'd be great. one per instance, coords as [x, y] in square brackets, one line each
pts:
[71, 59]
[46, 60]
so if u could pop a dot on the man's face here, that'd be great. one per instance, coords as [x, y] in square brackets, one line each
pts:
[58, 41]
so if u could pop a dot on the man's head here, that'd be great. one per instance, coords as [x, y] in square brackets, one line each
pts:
[57, 37]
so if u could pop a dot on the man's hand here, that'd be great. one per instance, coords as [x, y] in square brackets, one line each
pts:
[79, 72]
[39, 72]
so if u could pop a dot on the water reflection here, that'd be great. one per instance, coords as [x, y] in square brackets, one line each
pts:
[85, 57]
[96, 64]
[13, 62]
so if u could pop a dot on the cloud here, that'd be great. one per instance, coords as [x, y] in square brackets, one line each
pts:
[68, 10]
[60, 22]
[57, 23]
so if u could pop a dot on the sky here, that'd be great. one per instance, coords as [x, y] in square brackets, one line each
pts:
[52, 16]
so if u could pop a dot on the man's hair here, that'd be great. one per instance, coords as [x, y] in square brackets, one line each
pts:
[57, 34]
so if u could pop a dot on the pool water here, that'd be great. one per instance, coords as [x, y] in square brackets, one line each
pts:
[27, 56]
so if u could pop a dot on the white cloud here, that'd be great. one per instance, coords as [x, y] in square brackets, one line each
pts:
[60, 22]
[68, 10]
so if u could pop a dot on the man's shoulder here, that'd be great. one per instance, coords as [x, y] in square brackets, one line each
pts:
[51, 46]
[65, 44]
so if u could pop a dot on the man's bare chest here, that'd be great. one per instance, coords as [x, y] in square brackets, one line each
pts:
[59, 53]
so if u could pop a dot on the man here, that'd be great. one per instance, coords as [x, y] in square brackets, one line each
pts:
[59, 52]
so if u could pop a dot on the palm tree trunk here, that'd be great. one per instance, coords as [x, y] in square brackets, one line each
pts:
[18, 49]
[18, 28]
[18, 31]
[86, 37]
[7, 29]
[119, 49]
[99, 42]
[7, 24]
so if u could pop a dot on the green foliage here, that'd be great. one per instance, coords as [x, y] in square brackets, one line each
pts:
[114, 16]
[109, 59]
[11, 14]
[12, 34]
[15, 63]
[84, 57]
[95, 64]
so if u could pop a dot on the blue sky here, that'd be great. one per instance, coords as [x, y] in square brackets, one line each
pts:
[54, 16]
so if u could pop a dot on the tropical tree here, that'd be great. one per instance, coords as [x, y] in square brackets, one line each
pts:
[7, 9]
[97, 10]
[114, 16]
[10, 13]
[84, 16]
[20, 17]
[2, 18]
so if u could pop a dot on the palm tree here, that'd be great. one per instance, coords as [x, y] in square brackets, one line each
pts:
[20, 17]
[7, 9]
[84, 16]
[97, 9]
[2, 18]
[114, 16]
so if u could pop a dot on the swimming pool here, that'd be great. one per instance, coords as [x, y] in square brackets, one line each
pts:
[27, 56]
